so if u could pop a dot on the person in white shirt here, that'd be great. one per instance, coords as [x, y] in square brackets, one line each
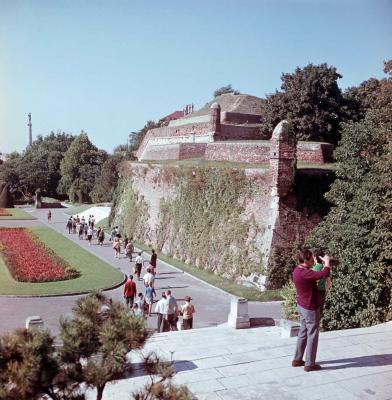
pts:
[148, 278]
[140, 303]
[138, 265]
[160, 309]
[171, 312]
[89, 235]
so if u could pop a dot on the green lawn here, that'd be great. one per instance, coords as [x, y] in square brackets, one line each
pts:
[95, 273]
[225, 284]
[17, 213]
[78, 209]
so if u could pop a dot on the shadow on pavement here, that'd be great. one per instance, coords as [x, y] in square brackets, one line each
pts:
[357, 362]
[171, 287]
[178, 366]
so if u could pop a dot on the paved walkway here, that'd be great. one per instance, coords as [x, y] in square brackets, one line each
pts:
[224, 364]
[212, 305]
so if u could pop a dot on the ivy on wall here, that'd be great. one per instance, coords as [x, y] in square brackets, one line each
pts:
[204, 225]
[130, 212]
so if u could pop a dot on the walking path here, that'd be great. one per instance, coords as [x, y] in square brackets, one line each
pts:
[212, 305]
[225, 364]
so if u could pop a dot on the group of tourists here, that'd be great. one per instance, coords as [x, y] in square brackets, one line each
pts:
[166, 309]
[85, 229]
[311, 279]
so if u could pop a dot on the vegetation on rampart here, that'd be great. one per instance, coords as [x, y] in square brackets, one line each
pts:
[204, 224]
[129, 212]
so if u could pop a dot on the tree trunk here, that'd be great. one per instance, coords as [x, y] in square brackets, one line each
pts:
[100, 392]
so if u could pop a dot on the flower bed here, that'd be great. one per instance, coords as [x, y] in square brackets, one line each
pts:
[29, 260]
[4, 213]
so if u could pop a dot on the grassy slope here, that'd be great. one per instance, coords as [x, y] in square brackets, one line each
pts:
[95, 273]
[225, 284]
[17, 213]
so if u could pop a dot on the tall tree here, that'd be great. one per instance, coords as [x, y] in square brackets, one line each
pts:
[106, 181]
[38, 167]
[370, 94]
[9, 175]
[79, 168]
[358, 228]
[311, 100]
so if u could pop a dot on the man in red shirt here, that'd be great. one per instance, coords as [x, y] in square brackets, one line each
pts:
[305, 281]
[130, 291]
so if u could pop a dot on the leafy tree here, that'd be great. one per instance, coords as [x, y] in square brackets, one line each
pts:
[38, 167]
[358, 228]
[311, 100]
[9, 174]
[95, 350]
[224, 90]
[105, 182]
[370, 94]
[79, 168]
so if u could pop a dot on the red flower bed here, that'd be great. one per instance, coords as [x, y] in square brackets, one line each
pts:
[28, 260]
[4, 213]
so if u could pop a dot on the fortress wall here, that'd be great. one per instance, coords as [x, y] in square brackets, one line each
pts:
[239, 118]
[190, 120]
[315, 152]
[185, 132]
[153, 184]
[162, 152]
[258, 152]
[271, 222]
[246, 152]
[190, 150]
[233, 132]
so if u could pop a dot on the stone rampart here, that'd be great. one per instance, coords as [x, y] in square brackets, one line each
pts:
[257, 152]
[175, 151]
[190, 213]
[246, 152]
[240, 118]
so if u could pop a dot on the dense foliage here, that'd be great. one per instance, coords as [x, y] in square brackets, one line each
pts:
[105, 182]
[358, 230]
[79, 168]
[95, 351]
[311, 100]
[37, 167]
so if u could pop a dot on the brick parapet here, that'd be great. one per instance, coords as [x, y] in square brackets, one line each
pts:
[259, 151]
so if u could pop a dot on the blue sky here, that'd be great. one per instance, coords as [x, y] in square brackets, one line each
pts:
[109, 66]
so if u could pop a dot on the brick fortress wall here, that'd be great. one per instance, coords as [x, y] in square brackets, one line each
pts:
[280, 221]
[235, 137]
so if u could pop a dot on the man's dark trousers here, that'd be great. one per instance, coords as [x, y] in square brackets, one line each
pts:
[159, 322]
[308, 335]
